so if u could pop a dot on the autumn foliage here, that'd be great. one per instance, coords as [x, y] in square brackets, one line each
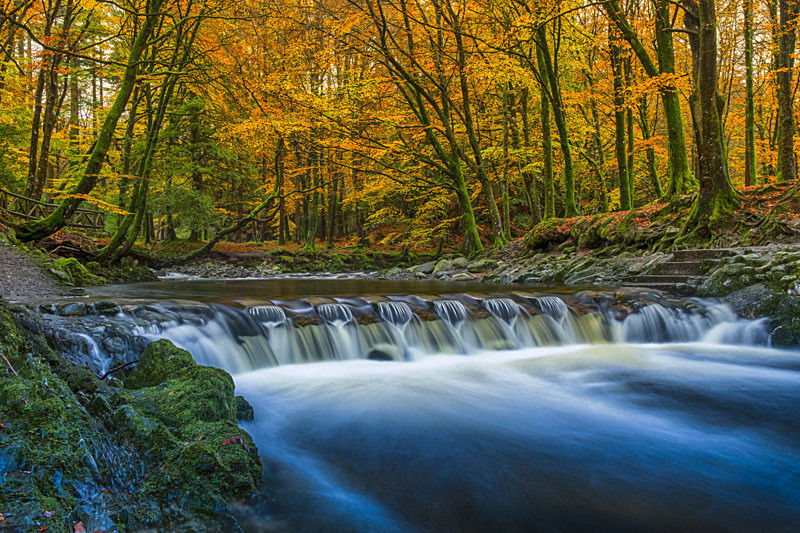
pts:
[457, 122]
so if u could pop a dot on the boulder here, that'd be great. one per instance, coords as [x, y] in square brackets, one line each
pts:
[425, 268]
[484, 265]
[442, 266]
[160, 361]
[459, 262]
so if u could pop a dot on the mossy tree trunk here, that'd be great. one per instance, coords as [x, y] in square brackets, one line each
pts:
[644, 124]
[547, 140]
[427, 101]
[58, 219]
[476, 163]
[619, 120]
[787, 170]
[681, 179]
[557, 104]
[531, 190]
[750, 174]
[127, 233]
[717, 197]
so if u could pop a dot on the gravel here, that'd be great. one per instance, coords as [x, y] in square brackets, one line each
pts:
[22, 279]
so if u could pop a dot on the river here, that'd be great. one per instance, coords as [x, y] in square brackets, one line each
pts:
[440, 407]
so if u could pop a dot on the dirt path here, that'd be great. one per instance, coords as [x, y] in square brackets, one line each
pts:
[21, 279]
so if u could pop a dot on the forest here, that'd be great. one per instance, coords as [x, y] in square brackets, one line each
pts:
[388, 122]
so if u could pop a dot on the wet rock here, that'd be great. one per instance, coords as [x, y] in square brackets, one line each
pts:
[420, 275]
[463, 276]
[160, 361]
[105, 307]
[244, 411]
[72, 309]
[749, 301]
[384, 352]
[114, 345]
[140, 429]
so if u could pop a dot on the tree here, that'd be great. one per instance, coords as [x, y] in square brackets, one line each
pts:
[52, 223]
[717, 197]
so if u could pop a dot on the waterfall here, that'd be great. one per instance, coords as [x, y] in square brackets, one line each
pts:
[505, 309]
[298, 331]
[451, 310]
[396, 313]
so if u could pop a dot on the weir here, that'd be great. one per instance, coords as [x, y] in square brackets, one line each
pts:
[397, 328]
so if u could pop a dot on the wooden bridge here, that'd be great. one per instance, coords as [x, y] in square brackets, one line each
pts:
[30, 209]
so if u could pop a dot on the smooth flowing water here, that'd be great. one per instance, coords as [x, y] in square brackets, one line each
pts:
[490, 410]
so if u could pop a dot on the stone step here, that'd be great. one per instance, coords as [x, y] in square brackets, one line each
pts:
[700, 255]
[689, 268]
[665, 278]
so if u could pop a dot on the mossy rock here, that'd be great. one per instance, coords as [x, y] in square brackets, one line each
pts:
[214, 460]
[244, 411]
[551, 232]
[160, 361]
[70, 270]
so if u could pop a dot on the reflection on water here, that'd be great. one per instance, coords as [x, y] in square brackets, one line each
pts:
[671, 437]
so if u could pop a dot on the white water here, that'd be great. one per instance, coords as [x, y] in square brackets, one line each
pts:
[239, 341]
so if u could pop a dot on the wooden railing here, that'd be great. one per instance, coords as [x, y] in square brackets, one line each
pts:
[30, 209]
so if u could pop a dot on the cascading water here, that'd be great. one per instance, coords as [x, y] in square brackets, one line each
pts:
[570, 413]
[298, 331]
[396, 313]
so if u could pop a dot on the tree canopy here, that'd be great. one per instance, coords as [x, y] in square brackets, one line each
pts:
[389, 121]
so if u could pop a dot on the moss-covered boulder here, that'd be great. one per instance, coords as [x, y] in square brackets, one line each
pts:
[166, 454]
[70, 271]
[160, 361]
[207, 458]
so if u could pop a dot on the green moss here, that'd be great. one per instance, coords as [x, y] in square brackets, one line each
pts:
[70, 270]
[155, 455]
[215, 460]
[160, 361]
[244, 411]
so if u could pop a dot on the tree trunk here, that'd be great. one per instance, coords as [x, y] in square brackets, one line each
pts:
[560, 119]
[531, 191]
[619, 121]
[717, 197]
[786, 164]
[547, 141]
[651, 156]
[750, 174]
[681, 180]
